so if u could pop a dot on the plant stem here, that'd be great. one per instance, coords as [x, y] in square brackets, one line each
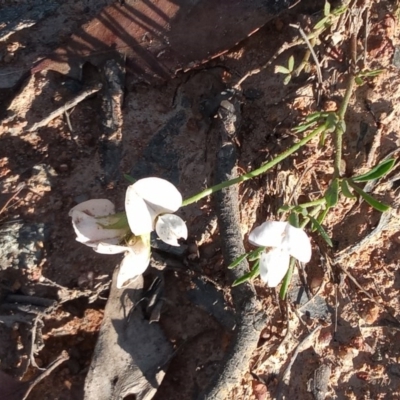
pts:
[312, 213]
[313, 203]
[256, 172]
[340, 127]
[287, 279]
[347, 97]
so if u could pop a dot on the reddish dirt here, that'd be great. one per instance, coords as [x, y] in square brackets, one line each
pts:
[359, 337]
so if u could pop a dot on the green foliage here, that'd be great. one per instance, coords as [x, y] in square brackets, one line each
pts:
[360, 77]
[294, 219]
[287, 279]
[280, 69]
[121, 223]
[129, 178]
[377, 172]
[332, 194]
[255, 271]
[344, 186]
[369, 199]
[329, 16]
[237, 261]
[316, 225]
[255, 254]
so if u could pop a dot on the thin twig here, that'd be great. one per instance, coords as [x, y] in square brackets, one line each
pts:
[19, 188]
[370, 297]
[319, 74]
[36, 326]
[68, 119]
[366, 33]
[69, 104]
[63, 357]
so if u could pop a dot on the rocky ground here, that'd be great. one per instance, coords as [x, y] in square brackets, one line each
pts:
[339, 326]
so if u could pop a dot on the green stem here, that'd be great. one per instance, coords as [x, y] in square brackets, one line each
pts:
[313, 203]
[340, 127]
[256, 172]
[346, 99]
[287, 279]
[312, 213]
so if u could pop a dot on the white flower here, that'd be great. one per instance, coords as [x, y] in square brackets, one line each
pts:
[136, 260]
[90, 220]
[286, 241]
[149, 203]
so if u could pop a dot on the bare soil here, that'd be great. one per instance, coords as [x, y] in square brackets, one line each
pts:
[353, 288]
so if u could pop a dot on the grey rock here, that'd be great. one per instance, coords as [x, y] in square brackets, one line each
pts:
[396, 57]
[21, 244]
[42, 176]
[312, 308]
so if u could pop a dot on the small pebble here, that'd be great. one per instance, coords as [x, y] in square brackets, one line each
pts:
[68, 384]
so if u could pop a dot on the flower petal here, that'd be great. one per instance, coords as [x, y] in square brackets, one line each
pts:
[273, 266]
[268, 234]
[170, 228]
[297, 243]
[140, 217]
[89, 231]
[95, 208]
[110, 247]
[134, 263]
[162, 196]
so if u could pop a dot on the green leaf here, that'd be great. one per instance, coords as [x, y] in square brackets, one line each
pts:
[304, 212]
[129, 178]
[377, 172]
[291, 63]
[237, 261]
[294, 219]
[321, 23]
[340, 10]
[327, 9]
[359, 81]
[321, 230]
[344, 186]
[331, 122]
[287, 79]
[332, 194]
[370, 73]
[280, 69]
[369, 199]
[323, 215]
[314, 117]
[303, 127]
[255, 254]
[285, 208]
[121, 223]
[253, 273]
